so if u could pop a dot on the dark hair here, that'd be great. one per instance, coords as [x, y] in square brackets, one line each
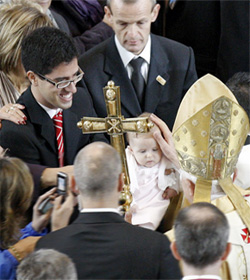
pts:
[201, 233]
[239, 84]
[46, 48]
[129, 2]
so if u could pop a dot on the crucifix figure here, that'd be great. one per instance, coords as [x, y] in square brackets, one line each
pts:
[116, 125]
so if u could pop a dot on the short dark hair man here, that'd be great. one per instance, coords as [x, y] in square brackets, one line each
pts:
[49, 57]
[100, 242]
[201, 239]
[166, 68]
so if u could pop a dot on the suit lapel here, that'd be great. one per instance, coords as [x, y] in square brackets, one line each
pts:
[71, 136]
[43, 124]
[158, 67]
[115, 69]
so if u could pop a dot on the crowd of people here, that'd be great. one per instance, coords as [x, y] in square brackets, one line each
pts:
[190, 171]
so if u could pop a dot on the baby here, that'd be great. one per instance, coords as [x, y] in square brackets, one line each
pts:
[153, 177]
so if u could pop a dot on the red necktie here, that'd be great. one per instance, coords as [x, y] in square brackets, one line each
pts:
[58, 123]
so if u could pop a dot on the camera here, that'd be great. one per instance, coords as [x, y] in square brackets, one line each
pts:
[62, 186]
[62, 183]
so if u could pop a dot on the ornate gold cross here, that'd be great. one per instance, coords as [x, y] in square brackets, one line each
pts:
[116, 125]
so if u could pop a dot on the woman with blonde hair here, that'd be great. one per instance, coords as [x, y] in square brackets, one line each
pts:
[17, 20]
[16, 188]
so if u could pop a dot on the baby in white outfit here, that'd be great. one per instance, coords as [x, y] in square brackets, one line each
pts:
[153, 177]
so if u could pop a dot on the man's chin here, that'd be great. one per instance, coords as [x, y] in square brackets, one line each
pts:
[134, 49]
[65, 106]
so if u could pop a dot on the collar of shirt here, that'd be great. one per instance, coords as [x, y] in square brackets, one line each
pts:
[193, 277]
[127, 56]
[95, 210]
[50, 112]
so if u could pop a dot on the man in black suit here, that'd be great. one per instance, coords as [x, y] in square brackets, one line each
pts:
[168, 67]
[101, 244]
[49, 57]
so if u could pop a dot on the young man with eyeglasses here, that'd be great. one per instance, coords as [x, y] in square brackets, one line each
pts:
[49, 57]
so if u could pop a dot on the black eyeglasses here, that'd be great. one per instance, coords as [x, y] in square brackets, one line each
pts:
[63, 84]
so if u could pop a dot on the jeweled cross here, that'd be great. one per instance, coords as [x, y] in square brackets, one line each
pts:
[116, 125]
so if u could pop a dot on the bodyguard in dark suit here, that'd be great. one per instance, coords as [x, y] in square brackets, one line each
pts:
[49, 57]
[101, 244]
[168, 68]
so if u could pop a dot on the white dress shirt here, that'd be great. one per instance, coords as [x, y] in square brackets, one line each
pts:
[127, 56]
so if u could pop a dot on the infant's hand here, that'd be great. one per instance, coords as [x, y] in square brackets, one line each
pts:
[169, 193]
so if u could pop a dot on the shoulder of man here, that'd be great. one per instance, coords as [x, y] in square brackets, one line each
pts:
[92, 54]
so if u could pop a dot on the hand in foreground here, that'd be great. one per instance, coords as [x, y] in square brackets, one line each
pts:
[39, 220]
[12, 112]
[165, 140]
[49, 175]
[62, 211]
[25, 246]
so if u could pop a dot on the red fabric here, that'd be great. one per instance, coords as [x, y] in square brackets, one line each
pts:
[58, 123]
[246, 236]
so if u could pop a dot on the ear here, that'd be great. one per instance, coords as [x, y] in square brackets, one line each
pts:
[155, 12]
[227, 251]
[188, 189]
[32, 78]
[191, 189]
[108, 13]
[175, 251]
[130, 149]
[73, 186]
[235, 174]
[120, 182]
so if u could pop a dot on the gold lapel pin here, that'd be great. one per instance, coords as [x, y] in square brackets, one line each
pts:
[160, 80]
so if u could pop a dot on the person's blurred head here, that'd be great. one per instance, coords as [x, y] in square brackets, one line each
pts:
[17, 20]
[49, 57]
[46, 264]
[201, 235]
[131, 21]
[16, 188]
[97, 170]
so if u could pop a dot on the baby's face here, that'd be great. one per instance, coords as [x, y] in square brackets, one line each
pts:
[146, 151]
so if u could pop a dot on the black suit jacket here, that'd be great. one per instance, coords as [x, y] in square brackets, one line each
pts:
[61, 22]
[171, 60]
[87, 39]
[36, 143]
[218, 32]
[104, 246]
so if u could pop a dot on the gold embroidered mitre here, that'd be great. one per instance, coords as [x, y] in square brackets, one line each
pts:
[209, 132]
